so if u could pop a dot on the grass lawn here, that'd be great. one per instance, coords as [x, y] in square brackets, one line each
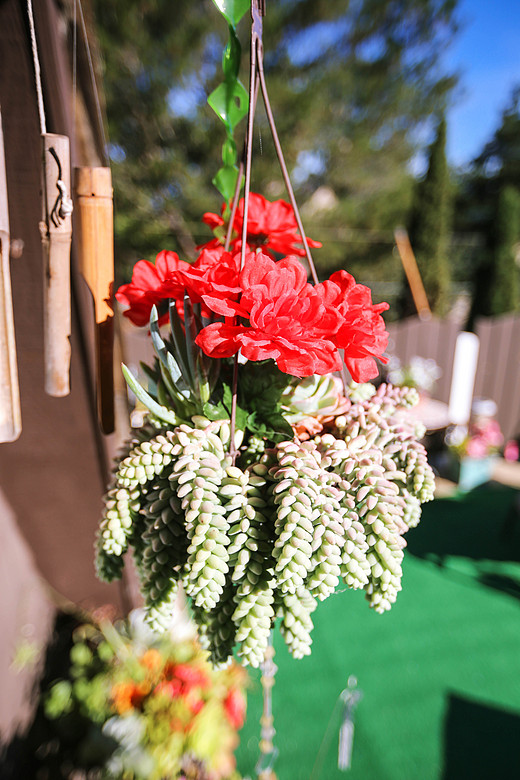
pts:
[440, 673]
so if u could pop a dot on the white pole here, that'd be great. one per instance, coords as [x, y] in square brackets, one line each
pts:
[463, 380]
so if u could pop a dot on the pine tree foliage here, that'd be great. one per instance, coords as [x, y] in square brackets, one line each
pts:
[349, 83]
[504, 288]
[486, 207]
[429, 228]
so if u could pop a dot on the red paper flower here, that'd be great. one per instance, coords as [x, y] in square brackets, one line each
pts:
[287, 320]
[362, 334]
[151, 284]
[213, 276]
[271, 227]
[299, 326]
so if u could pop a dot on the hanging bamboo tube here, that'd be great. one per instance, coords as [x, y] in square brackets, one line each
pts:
[95, 225]
[413, 274]
[56, 235]
[10, 415]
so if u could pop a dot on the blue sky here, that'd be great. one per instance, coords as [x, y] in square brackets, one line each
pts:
[486, 53]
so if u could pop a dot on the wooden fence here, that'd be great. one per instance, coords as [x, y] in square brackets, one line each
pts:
[498, 369]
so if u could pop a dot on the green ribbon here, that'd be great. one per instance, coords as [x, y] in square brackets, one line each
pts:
[230, 100]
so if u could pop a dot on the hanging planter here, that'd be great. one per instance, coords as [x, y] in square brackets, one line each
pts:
[260, 482]
[260, 486]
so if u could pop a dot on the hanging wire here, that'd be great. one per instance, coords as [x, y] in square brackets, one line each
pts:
[281, 160]
[37, 71]
[256, 78]
[95, 90]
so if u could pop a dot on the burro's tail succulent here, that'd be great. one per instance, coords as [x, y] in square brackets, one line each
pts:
[262, 542]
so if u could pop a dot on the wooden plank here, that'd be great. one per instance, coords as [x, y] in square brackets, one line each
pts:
[511, 414]
[483, 331]
[444, 358]
[413, 274]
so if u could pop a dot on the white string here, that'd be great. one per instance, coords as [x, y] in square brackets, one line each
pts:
[37, 72]
[93, 79]
[74, 77]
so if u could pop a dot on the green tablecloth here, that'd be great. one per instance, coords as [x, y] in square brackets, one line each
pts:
[440, 673]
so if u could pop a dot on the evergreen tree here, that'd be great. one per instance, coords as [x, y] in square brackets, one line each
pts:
[504, 288]
[488, 206]
[349, 83]
[429, 227]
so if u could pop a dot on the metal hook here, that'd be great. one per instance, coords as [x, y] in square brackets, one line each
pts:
[63, 205]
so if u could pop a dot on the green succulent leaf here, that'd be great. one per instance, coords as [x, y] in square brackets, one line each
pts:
[179, 344]
[167, 415]
[170, 371]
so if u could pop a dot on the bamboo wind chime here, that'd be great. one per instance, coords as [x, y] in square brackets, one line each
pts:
[56, 236]
[10, 415]
[94, 227]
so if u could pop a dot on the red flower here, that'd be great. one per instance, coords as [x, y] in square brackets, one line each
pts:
[362, 334]
[270, 226]
[235, 708]
[151, 284]
[213, 276]
[288, 320]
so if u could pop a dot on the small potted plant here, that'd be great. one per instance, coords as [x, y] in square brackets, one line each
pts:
[475, 447]
[132, 705]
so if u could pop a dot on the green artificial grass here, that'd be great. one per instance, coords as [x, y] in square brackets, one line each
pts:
[440, 673]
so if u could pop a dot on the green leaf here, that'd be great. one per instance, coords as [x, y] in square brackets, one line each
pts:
[159, 411]
[230, 102]
[274, 426]
[215, 411]
[227, 400]
[232, 10]
[190, 334]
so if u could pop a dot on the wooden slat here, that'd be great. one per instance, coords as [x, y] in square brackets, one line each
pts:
[430, 339]
[447, 346]
[498, 373]
[511, 422]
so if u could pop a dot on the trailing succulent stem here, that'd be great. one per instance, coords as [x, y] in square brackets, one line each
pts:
[267, 541]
